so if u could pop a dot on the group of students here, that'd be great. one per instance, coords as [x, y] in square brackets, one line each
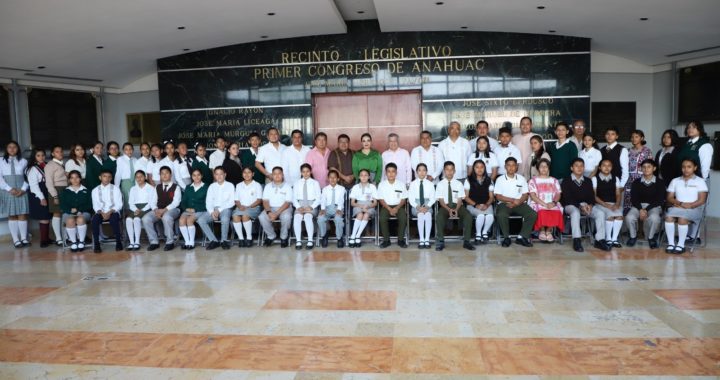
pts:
[299, 186]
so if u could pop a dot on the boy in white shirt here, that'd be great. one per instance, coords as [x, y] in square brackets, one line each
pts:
[392, 195]
[450, 194]
[511, 191]
[107, 202]
[277, 204]
[332, 205]
[248, 198]
[218, 156]
[219, 202]
[505, 150]
[166, 208]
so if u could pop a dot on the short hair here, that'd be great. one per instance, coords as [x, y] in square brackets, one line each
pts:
[273, 129]
[296, 131]
[366, 135]
[277, 168]
[343, 136]
[320, 134]
[219, 168]
[165, 167]
[578, 121]
[111, 143]
[649, 161]
[526, 117]
[612, 129]
[426, 132]
[454, 122]
[139, 171]
[577, 159]
[511, 159]
[74, 172]
[540, 161]
[448, 163]
[562, 124]
[393, 135]
[105, 171]
[333, 172]
[253, 134]
[482, 122]
[124, 145]
[306, 165]
[420, 165]
[219, 138]
[504, 130]
[390, 165]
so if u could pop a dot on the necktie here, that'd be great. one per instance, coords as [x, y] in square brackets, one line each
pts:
[422, 193]
[165, 190]
[12, 166]
[305, 193]
[578, 182]
[132, 168]
[333, 197]
[450, 197]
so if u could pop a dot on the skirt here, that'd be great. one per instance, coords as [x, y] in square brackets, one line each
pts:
[125, 186]
[609, 213]
[314, 212]
[131, 214]
[550, 218]
[692, 214]
[9, 204]
[252, 212]
[38, 211]
[55, 208]
[357, 210]
[474, 211]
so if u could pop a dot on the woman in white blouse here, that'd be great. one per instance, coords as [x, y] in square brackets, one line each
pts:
[76, 160]
[13, 197]
[591, 155]
[140, 200]
[306, 199]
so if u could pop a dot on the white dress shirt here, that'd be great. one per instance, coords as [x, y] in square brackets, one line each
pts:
[277, 195]
[401, 158]
[292, 158]
[125, 168]
[511, 187]
[433, 158]
[456, 187]
[687, 191]
[179, 171]
[592, 158]
[34, 177]
[392, 193]
[70, 165]
[217, 158]
[247, 194]
[490, 161]
[457, 152]
[503, 152]
[313, 193]
[270, 156]
[428, 193]
[6, 169]
[106, 197]
[177, 196]
[220, 196]
[366, 193]
[327, 197]
[145, 194]
[594, 180]
[624, 163]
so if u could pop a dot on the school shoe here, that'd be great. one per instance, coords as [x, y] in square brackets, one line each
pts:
[26, 243]
[577, 245]
[506, 242]
[616, 244]
[118, 246]
[402, 243]
[385, 243]
[81, 247]
[59, 243]
[97, 248]
[44, 243]
[284, 243]
[467, 245]
[212, 245]
[653, 243]
[631, 242]
[523, 241]
[248, 243]
[310, 245]
[484, 239]
[478, 240]
[225, 245]
[341, 242]
[670, 249]
[153, 247]
[73, 248]
[298, 245]
[679, 250]
[602, 245]
[169, 247]
[324, 241]
[440, 245]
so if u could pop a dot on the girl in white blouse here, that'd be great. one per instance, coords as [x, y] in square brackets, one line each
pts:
[76, 160]
[145, 158]
[484, 152]
[422, 205]
[306, 199]
[248, 198]
[153, 167]
[141, 198]
[13, 197]
[38, 197]
[363, 199]
[591, 155]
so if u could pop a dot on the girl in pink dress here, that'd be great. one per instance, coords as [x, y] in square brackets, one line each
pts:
[544, 197]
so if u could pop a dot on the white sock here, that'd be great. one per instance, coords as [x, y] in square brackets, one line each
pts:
[421, 227]
[356, 228]
[56, 228]
[428, 226]
[184, 233]
[248, 229]
[191, 235]
[138, 229]
[129, 226]
[237, 226]
[22, 228]
[297, 226]
[670, 232]
[13, 226]
[71, 232]
[81, 231]
[309, 226]
[489, 219]
[363, 224]
[682, 234]
[479, 224]
[617, 225]
[608, 230]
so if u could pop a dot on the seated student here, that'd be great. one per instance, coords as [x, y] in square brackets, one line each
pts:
[193, 206]
[248, 198]
[479, 198]
[647, 198]
[506, 149]
[687, 195]
[545, 193]
[219, 202]
[306, 199]
[608, 199]
[332, 205]
[578, 197]
[277, 204]
[392, 195]
[511, 190]
[422, 197]
[106, 201]
[141, 197]
[166, 209]
[363, 199]
[76, 206]
[450, 194]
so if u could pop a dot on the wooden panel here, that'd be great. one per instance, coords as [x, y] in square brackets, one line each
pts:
[395, 113]
[338, 114]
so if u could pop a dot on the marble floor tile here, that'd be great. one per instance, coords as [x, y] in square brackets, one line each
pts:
[332, 300]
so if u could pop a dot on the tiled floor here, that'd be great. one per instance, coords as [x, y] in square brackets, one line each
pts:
[544, 312]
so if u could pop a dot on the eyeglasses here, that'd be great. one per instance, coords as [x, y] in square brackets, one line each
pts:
[579, 126]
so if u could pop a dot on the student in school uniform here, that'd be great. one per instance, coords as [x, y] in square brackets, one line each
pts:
[578, 198]
[332, 206]
[172, 161]
[248, 199]
[166, 209]
[590, 154]
[698, 148]
[76, 205]
[400, 157]
[687, 196]
[618, 156]
[232, 165]
[38, 195]
[141, 198]
[125, 172]
[482, 128]
[637, 154]
[392, 195]
[537, 145]
[341, 160]
[363, 199]
[511, 190]
[563, 151]
[506, 149]
[479, 199]
[646, 203]
[193, 206]
[76, 160]
[456, 149]
[201, 163]
[248, 156]
[293, 156]
[306, 199]
[545, 194]
[277, 205]
[153, 168]
[185, 162]
[450, 196]
[429, 155]
[421, 197]
[94, 166]
[13, 196]
[144, 160]
[270, 155]
[666, 158]
[219, 202]
[107, 203]
[369, 159]
[608, 199]
[218, 156]
[484, 153]
[113, 150]
[56, 181]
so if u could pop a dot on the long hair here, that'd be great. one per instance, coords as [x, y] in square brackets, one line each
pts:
[537, 155]
[7, 156]
[162, 153]
[474, 180]
[33, 161]
[487, 143]
[72, 155]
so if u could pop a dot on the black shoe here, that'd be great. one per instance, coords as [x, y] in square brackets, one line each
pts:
[670, 249]
[26, 243]
[385, 243]
[600, 244]
[268, 242]
[190, 247]
[212, 245]
[653, 243]
[153, 247]
[310, 245]
[523, 241]
[324, 241]
[97, 249]
[478, 240]
[169, 247]
[402, 243]
[616, 244]
[298, 245]
[506, 242]
[284, 243]
[467, 245]
[440, 245]
[631, 242]
[225, 245]
[248, 243]
[44, 244]
[118, 247]
[341, 242]
[577, 245]
[679, 250]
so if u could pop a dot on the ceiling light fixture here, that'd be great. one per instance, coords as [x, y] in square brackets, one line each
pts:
[360, 12]
[263, 36]
[643, 19]
[541, 7]
[271, 14]
[181, 27]
[99, 47]
[186, 49]
[41, 67]
[463, 27]
[439, 3]
[551, 31]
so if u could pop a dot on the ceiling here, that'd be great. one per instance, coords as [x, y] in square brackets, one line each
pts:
[63, 35]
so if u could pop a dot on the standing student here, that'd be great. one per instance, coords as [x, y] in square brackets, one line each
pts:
[56, 181]
[232, 165]
[13, 197]
[107, 203]
[486, 155]
[341, 160]
[306, 199]
[193, 206]
[637, 154]
[201, 163]
[545, 193]
[185, 164]
[522, 142]
[317, 158]
[538, 153]
[666, 157]
[153, 170]
[76, 205]
[248, 156]
[428, 155]
[608, 199]
[172, 161]
[294, 156]
[697, 148]
[113, 150]
[392, 195]
[363, 199]
[166, 209]
[506, 149]
[94, 166]
[38, 197]
[422, 197]
[143, 162]
[563, 152]
[591, 155]
[479, 199]
[277, 205]
[125, 172]
[400, 157]
[332, 206]
[248, 198]
[511, 190]
[270, 155]
[578, 197]
[367, 158]
[76, 160]
[218, 156]
[141, 198]
[646, 203]
[618, 156]
[456, 149]
[482, 128]
[450, 195]
[687, 195]
[219, 202]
